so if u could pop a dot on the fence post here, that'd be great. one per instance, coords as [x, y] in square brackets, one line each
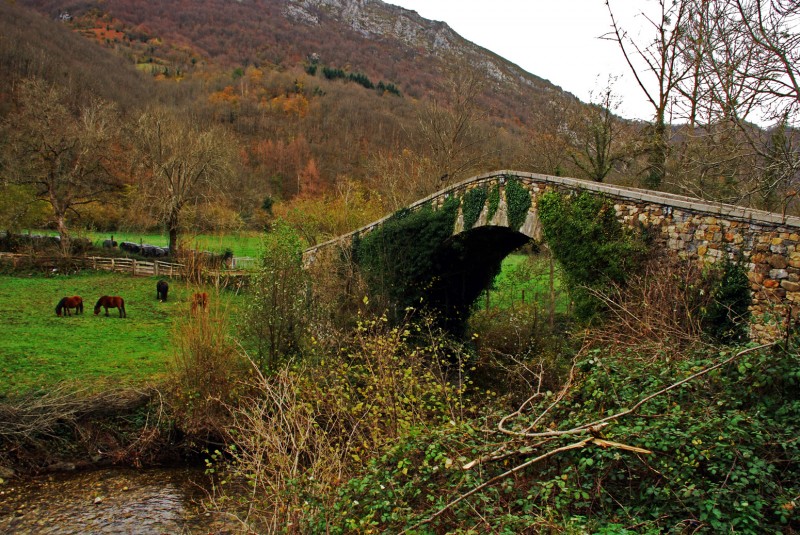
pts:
[134, 267]
[155, 268]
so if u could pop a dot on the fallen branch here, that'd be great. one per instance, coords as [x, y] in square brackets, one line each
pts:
[593, 428]
[495, 479]
[597, 424]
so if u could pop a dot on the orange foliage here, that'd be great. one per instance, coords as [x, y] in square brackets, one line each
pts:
[225, 96]
[309, 180]
[254, 75]
[289, 163]
[292, 104]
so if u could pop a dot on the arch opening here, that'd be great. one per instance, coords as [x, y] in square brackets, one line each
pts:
[465, 266]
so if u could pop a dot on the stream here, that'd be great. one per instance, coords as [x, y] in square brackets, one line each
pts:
[117, 500]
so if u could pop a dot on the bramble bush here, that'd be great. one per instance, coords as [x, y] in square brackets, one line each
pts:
[725, 458]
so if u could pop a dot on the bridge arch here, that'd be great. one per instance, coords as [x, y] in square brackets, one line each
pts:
[683, 227]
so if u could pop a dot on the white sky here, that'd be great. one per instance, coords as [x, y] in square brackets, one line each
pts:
[558, 40]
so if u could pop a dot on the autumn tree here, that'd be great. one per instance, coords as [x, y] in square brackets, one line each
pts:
[181, 163]
[60, 152]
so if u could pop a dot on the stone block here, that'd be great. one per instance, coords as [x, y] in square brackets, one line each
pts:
[790, 286]
[769, 283]
[778, 261]
[761, 268]
[778, 274]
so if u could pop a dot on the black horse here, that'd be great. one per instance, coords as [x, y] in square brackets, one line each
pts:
[162, 288]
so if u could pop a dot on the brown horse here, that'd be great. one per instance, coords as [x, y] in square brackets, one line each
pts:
[107, 302]
[66, 303]
[199, 300]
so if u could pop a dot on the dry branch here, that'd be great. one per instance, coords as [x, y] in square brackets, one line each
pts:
[592, 427]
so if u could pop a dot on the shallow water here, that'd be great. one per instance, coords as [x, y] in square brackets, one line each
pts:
[129, 501]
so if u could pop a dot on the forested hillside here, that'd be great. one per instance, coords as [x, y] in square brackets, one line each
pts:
[362, 105]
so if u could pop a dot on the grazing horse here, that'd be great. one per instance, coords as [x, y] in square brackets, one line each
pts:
[162, 289]
[199, 300]
[110, 302]
[70, 302]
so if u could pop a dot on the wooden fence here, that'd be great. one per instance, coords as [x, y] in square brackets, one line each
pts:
[136, 267]
[142, 268]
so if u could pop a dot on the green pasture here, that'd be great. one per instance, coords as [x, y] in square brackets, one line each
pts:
[39, 349]
[525, 279]
[241, 243]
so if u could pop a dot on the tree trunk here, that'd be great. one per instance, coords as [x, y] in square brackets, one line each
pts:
[63, 234]
[657, 157]
[172, 229]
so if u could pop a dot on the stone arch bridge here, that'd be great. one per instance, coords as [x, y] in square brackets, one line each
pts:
[686, 228]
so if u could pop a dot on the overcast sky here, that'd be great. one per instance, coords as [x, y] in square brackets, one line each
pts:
[558, 40]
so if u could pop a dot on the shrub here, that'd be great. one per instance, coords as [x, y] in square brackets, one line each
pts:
[204, 371]
[305, 429]
[273, 323]
[724, 457]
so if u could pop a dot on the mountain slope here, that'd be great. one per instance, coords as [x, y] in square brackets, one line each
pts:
[31, 45]
[383, 41]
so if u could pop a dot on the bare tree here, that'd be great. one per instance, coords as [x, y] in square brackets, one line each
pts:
[753, 72]
[61, 152]
[548, 145]
[451, 127]
[598, 145]
[182, 163]
[772, 28]
[660, 58]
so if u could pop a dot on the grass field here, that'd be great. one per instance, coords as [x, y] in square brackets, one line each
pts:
[38, 349]
[241, 243]
[525, 278]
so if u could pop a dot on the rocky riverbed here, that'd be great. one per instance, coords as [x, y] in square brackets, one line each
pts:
[144, 501]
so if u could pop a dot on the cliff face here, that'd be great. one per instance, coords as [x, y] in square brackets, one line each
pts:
[374, 19]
